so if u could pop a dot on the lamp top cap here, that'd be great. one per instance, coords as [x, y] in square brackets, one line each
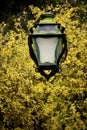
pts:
[47, 14]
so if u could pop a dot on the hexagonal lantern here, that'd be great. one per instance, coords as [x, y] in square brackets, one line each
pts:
[47, 44]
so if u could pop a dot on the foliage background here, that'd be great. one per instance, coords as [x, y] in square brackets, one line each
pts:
[27, 100]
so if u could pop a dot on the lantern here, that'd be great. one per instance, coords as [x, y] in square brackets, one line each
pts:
[47, 44]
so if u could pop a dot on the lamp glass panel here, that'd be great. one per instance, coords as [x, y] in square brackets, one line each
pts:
[47, 28]
[47, 48]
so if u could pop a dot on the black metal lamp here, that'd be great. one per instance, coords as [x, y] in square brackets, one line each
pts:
[47, 44]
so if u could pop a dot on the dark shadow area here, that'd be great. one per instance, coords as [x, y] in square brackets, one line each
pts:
[12, 7]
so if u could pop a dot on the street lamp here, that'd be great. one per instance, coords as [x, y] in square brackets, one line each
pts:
[47, 45]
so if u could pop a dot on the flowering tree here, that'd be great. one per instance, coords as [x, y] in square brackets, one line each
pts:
[27, 100]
